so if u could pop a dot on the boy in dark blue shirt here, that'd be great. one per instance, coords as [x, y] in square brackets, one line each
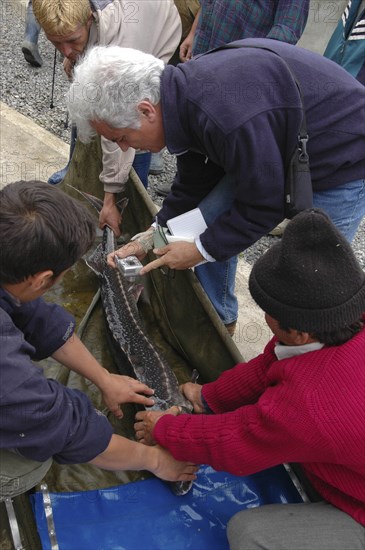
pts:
[43, 232]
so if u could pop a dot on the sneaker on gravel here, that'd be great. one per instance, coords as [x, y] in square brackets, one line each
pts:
[31, 53]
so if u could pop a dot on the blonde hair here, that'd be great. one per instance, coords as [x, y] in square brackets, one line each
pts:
[61, 17]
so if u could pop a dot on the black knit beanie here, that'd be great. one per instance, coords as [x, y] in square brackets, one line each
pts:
[311, 280]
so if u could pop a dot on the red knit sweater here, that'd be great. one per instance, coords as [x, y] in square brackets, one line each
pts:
[308, 409]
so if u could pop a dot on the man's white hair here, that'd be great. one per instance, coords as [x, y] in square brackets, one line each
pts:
[109, 83]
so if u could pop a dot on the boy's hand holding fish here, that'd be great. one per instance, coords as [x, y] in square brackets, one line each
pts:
[170, 469]
[117, 389]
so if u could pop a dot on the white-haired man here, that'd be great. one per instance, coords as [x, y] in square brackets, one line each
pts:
[232, 117]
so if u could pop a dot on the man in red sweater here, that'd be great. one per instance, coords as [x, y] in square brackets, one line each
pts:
[301, 401]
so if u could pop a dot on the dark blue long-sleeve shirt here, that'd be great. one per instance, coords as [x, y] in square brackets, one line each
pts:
[39, 417]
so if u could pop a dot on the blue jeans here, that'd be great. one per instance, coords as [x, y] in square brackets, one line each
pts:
[345, 205]
[141, 164]
[218, 278]
[32, 27]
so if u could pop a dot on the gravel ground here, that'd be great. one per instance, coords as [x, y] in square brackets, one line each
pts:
[28, 90]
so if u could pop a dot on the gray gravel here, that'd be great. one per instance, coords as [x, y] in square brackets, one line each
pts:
[28, 90]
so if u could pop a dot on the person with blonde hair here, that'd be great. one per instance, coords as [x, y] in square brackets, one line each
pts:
[73, 27]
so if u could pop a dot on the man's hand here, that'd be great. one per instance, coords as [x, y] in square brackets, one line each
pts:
[186, 48]
[146, 421]
[138, 246]
[110, 215]
[193, 393]
[117, 389]
[179, 255]
[124, 454]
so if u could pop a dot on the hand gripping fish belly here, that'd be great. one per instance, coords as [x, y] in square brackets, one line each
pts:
[119, 299]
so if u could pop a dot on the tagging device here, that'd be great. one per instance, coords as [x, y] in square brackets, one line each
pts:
[130, 266]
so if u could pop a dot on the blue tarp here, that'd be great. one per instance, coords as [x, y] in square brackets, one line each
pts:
[145, 515]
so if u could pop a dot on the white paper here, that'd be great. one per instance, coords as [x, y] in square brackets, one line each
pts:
[188, 225]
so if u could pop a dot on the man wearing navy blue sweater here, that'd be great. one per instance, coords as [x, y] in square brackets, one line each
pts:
[232, 117]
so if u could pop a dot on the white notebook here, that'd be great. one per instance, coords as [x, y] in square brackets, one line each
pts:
[188, 225]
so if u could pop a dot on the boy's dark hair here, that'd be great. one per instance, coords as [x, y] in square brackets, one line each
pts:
[335, 337]
[41, 228]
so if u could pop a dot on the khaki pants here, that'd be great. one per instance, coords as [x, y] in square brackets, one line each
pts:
[19, 474]
[187, 10]
[308, 526]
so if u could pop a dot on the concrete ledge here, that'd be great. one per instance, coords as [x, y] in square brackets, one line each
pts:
[252, 332]
[27, 150]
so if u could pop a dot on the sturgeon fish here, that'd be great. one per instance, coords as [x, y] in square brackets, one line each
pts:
[119, 298]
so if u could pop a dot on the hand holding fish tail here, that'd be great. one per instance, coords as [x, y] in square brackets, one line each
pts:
[193, 392]
[117, 389]
[124, 454]
[169, 469]
[146, 421]
[110, 215]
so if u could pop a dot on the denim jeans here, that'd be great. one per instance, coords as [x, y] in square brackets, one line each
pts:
[141, 164]
[345, 205]
[32, 27]
[218, 278]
